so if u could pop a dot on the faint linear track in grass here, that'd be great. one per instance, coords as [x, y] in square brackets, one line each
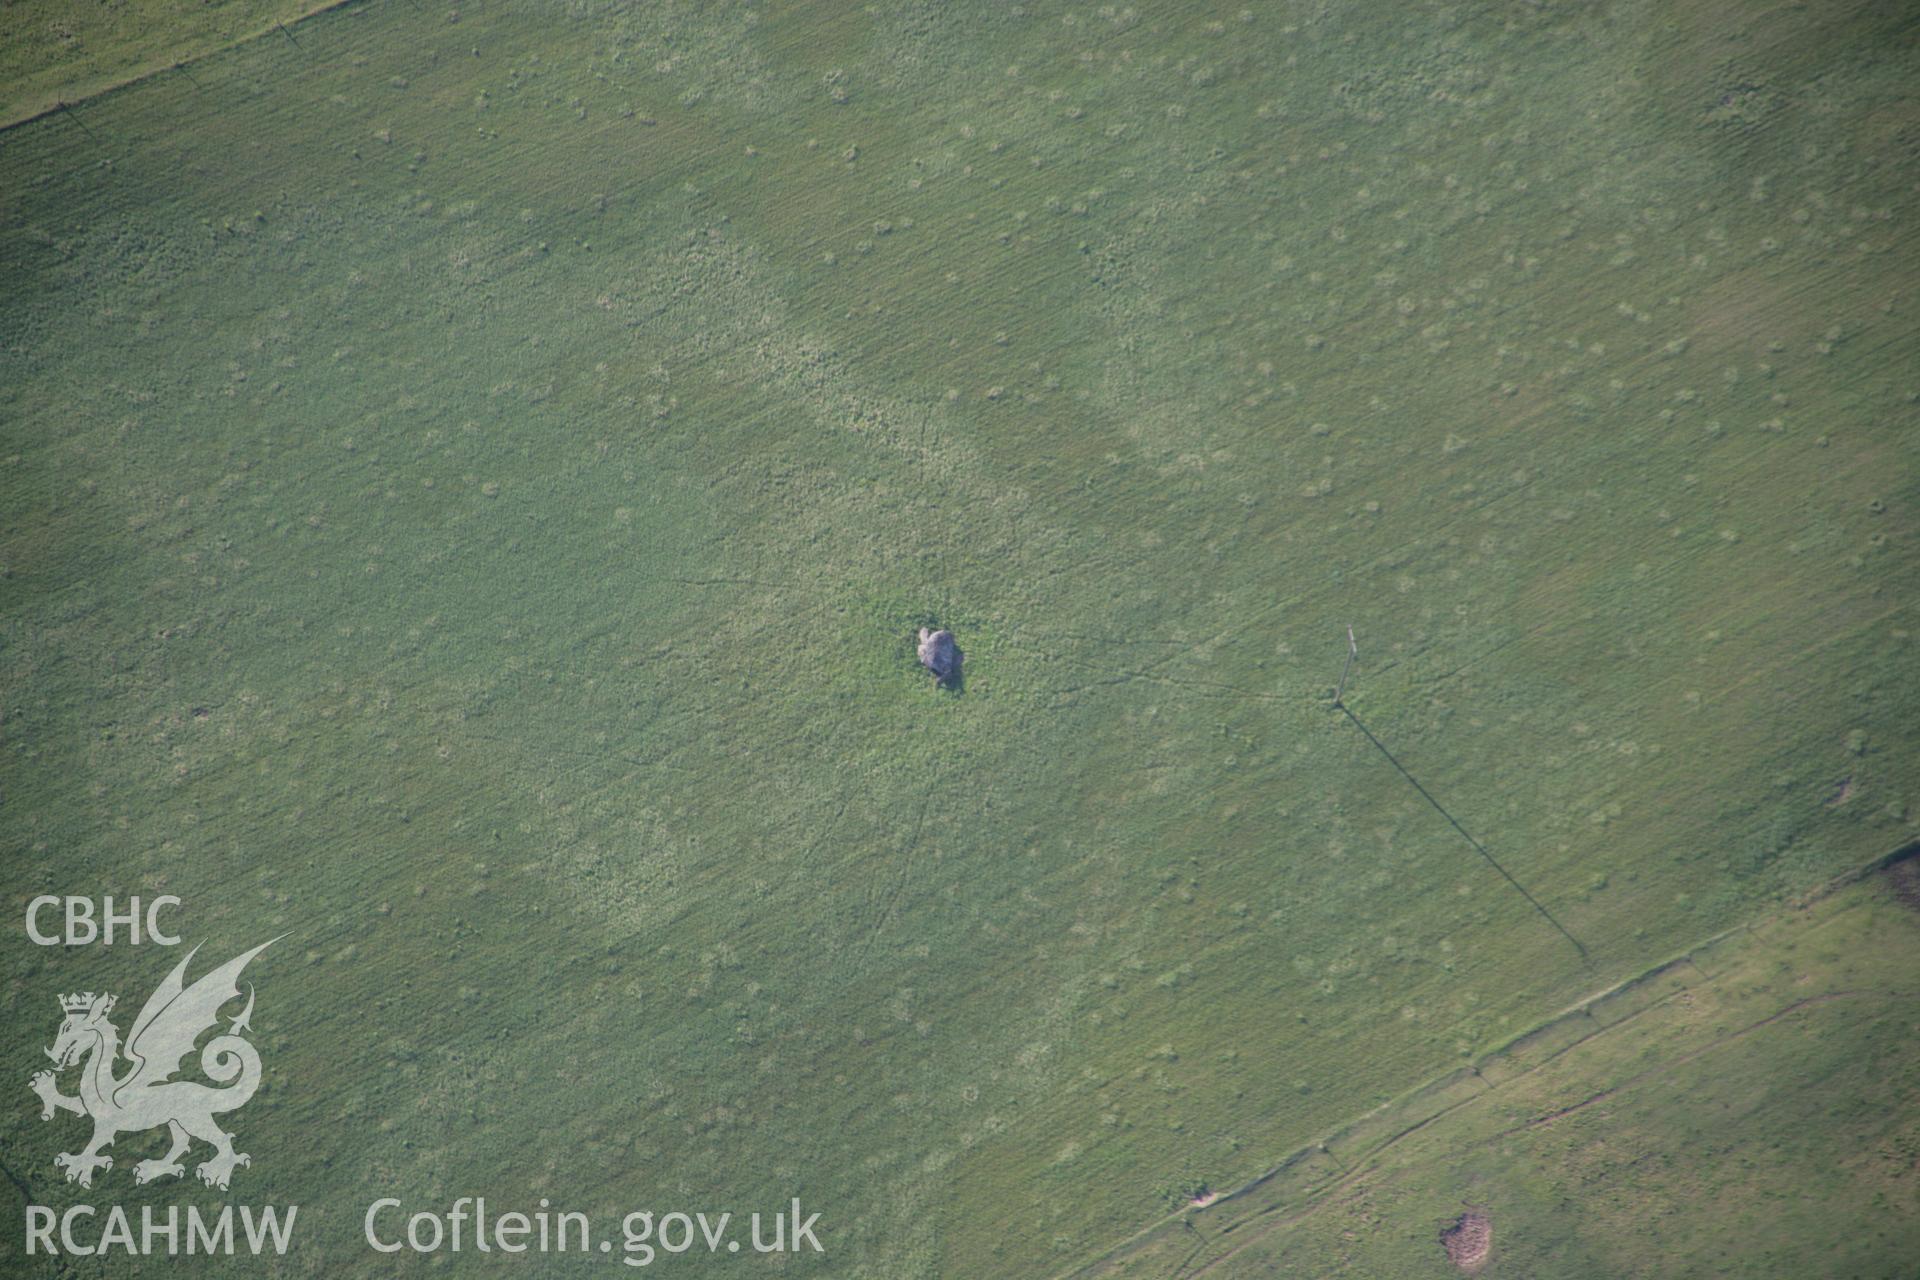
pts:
[1754, 465]
[1280, 1215]
[1274, 605]
[1322, 1195]
[899, 883]
[141, 76]
[1683, 1059]
[1220, 689]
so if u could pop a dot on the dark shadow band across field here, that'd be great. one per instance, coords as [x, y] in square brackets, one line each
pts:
[1454, 822]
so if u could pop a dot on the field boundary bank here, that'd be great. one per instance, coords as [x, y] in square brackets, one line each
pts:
[152, 73]
[1310, 1171]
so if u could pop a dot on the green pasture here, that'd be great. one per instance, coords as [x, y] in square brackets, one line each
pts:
[1719, 1117]
[470, 475]
[55, 52]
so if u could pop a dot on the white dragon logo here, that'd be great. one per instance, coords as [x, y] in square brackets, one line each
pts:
[145, 1097]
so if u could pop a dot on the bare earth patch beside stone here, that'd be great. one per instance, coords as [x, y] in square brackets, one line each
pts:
[1468, 1241]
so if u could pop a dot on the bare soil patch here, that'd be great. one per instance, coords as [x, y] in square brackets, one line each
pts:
[1469, 1241]
[1903, 877]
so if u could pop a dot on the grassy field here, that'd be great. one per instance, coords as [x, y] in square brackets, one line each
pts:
[469, 478]
[55, 51]
[1714, 1117]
